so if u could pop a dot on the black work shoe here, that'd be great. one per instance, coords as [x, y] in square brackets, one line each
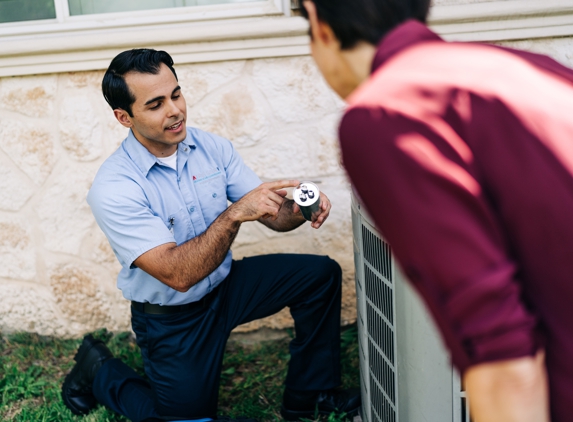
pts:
[77, 389]
[300, 404]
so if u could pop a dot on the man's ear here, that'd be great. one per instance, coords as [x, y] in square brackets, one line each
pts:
[319, 31]
[122, 117]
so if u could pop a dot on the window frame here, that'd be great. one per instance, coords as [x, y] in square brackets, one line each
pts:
[63, 22]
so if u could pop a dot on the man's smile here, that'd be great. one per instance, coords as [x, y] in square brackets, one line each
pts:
[176, 126]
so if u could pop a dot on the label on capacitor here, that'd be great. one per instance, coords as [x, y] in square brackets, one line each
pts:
[307, 197]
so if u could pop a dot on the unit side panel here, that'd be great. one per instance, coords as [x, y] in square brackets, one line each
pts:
[424, 369]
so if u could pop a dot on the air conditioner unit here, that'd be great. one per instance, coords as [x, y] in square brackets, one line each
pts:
[405, 372]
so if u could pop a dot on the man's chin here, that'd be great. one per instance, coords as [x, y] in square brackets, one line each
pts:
[177, 137]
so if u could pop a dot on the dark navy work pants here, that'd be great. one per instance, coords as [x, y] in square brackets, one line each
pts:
[183, 352]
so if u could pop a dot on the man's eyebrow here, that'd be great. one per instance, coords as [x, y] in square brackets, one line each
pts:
[161, 97]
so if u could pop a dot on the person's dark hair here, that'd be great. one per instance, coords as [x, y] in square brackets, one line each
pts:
[366, 20]
[142, 60]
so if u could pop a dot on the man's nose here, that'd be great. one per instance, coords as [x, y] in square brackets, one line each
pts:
[172, 108]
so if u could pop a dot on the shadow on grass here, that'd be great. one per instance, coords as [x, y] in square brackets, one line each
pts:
[32, 369]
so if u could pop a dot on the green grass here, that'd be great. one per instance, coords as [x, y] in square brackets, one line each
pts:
[32, 369]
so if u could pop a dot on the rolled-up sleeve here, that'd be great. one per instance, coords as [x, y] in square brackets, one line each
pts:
[427, 202]
[122, 211]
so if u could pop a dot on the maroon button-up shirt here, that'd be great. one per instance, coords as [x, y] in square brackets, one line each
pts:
[463, 155]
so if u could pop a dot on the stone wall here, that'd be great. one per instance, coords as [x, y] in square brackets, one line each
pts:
[57, 270]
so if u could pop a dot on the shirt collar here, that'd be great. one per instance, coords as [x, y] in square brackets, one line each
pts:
[401, 37]
[142, 157]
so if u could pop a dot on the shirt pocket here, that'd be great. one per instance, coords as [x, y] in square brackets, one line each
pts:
[211, 188]
[178, 225]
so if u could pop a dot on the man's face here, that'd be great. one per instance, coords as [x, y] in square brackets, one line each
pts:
[159, 111]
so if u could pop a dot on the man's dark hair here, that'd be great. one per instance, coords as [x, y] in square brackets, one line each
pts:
[366, 20]
[142, 60]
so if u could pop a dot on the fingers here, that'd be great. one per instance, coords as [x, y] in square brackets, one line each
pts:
[320, 217]
[258, 203]
[274, 191]
[279, 184]
[281, 192]
[266, 204]
[276, 197]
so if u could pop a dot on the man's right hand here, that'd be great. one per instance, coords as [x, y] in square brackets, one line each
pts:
[265, 201]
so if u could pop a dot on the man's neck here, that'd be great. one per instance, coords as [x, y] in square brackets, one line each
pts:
[359, 60]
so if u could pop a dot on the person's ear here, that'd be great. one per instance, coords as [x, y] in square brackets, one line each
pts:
[319, 31]
[122, 117]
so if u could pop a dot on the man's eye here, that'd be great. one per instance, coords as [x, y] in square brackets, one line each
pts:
[176, 97]
[156, 106]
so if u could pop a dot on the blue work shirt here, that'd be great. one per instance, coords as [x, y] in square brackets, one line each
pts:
[141, 204]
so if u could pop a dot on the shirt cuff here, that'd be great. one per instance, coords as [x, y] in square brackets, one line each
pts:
[490, 319]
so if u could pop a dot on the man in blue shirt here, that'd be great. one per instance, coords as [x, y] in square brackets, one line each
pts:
[161, 200]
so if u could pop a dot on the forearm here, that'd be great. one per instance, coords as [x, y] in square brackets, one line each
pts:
[183, 266]
[508, 391]
[286, 220]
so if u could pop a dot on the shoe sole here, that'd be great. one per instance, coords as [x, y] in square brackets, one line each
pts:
[80, 354]
[295, 415]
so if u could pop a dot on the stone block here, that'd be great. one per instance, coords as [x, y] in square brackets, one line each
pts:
[17, 248]
[294, 88]
[63, 213]
[80, 298]
[33, 96]
[113, 133]
[301, 153]
[80, 128]
[31, 147]
[26, 307]
[198, 80]
[90, 80]
[96, 248]
[237, 112]
[15, 187]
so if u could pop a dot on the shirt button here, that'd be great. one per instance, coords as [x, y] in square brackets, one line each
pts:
[214, 195]
[178, 179]
[185, 149]
[191, 209]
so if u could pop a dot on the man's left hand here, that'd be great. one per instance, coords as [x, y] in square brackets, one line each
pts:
[320, 216]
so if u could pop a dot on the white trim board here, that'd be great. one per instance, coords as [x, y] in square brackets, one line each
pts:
[265, 32]
[504, 20]
[187, 43]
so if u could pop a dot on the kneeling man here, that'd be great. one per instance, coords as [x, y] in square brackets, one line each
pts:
[161, 200]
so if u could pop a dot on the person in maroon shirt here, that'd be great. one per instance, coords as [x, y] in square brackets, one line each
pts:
[463, 155]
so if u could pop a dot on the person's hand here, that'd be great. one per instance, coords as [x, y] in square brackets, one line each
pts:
[513, 390]
[264, 201]
[319, 216]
